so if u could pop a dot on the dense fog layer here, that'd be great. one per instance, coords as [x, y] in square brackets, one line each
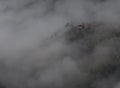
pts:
[30, 58]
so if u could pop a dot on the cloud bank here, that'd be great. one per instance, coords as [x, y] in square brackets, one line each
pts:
[26, 61]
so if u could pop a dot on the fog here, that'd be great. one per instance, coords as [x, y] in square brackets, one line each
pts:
[31, 58]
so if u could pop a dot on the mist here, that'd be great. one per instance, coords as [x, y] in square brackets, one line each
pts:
[31, 56]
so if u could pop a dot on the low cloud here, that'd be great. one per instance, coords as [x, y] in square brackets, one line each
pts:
[31, 58]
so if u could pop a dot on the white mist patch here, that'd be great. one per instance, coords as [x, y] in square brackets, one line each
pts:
[26, 61]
